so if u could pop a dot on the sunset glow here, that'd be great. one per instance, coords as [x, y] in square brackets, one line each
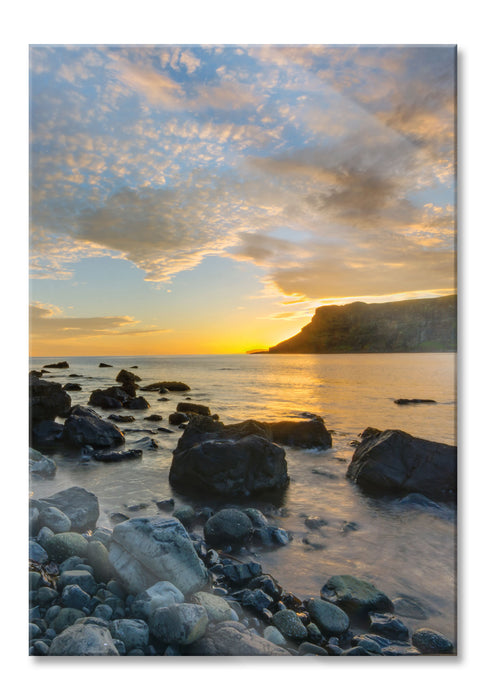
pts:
[206, 199]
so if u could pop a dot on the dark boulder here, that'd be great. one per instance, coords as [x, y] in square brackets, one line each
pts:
[103, 364]
[185, 407]
[394, 461]
[178, 418]
[429, 641]
[117, 456]
[237, 467]
[404, 402]
[111, 397]
[126, 377]
[47, 400]
[138, 403]
[85, 427]
[58, 365]
[228, 527]
[355, 596]
[121, 419]
[170, 386]
[71, 386]
[46, 434]
[307, 433]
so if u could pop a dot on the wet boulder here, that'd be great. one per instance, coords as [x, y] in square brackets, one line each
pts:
[40, 465]
[144, 551]
[168, 385]
[355, 596]
[47, 400]
[228, 527]
[86, 427]
[394, 461]
[111, 397]
[187, 407]
[239, 467]
[233, 639]
[305, 434]
[83, 640]
[58, 365]
[81, 507]
[126, 377]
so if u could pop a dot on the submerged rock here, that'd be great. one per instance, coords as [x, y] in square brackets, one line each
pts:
[228, 527]
[355, 596]
[117, 456]
[394, 461]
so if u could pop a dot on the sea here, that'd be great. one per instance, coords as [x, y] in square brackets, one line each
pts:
[409, 552]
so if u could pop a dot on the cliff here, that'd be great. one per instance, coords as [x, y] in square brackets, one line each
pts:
[417, 325]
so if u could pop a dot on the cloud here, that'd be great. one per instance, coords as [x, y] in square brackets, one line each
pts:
[47, 321]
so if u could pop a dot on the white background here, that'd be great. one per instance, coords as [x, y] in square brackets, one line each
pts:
[253, 21]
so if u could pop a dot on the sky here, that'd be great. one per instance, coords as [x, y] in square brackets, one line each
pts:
[206, 199]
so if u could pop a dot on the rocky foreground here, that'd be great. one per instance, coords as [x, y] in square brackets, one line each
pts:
[151, 587]
[184, 583]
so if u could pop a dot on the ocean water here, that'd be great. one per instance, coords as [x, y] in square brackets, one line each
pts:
[405, 551]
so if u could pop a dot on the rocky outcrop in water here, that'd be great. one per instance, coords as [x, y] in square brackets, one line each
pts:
[392, 461]
[418, 325]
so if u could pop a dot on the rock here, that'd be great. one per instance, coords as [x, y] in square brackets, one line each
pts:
[81, 507]
[428, 641]
[110, 397]
[409, 607]
[118, 517]
[307, 434]
[46, 434]
[368, 644]
[65, 618]
[256, 600]
[146, 550]
[85, 427]
[185, 407]
[147, 443]
[243, 573]
[394, 461]
[133, 633]
[237, 467]
[72, 386]
[314, 523]
[66, 544]
[37, 553]
[387, 625]
[83, 640]
[58, 365]
[355, 596]
[409, 401]
[400, 649]
[46, 596]
[83, 579]
[418, 500]
[228, 527]
[186, 515]
[103, 364]
[232, 639]
[307, 648]
[40, 465]
[47, 400]
[330, 619]
[117, 456]
[154, 418]
[162, 594]
[98, 559]
[267, 584]
[217, 608]
[126, 377]
[121, 419]
[54, 519]
[183, 623]
[170, 386]
[137, 404]
[289, 624]
[272, 634]
[73, 596]
[166, 505]
[178, 418]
